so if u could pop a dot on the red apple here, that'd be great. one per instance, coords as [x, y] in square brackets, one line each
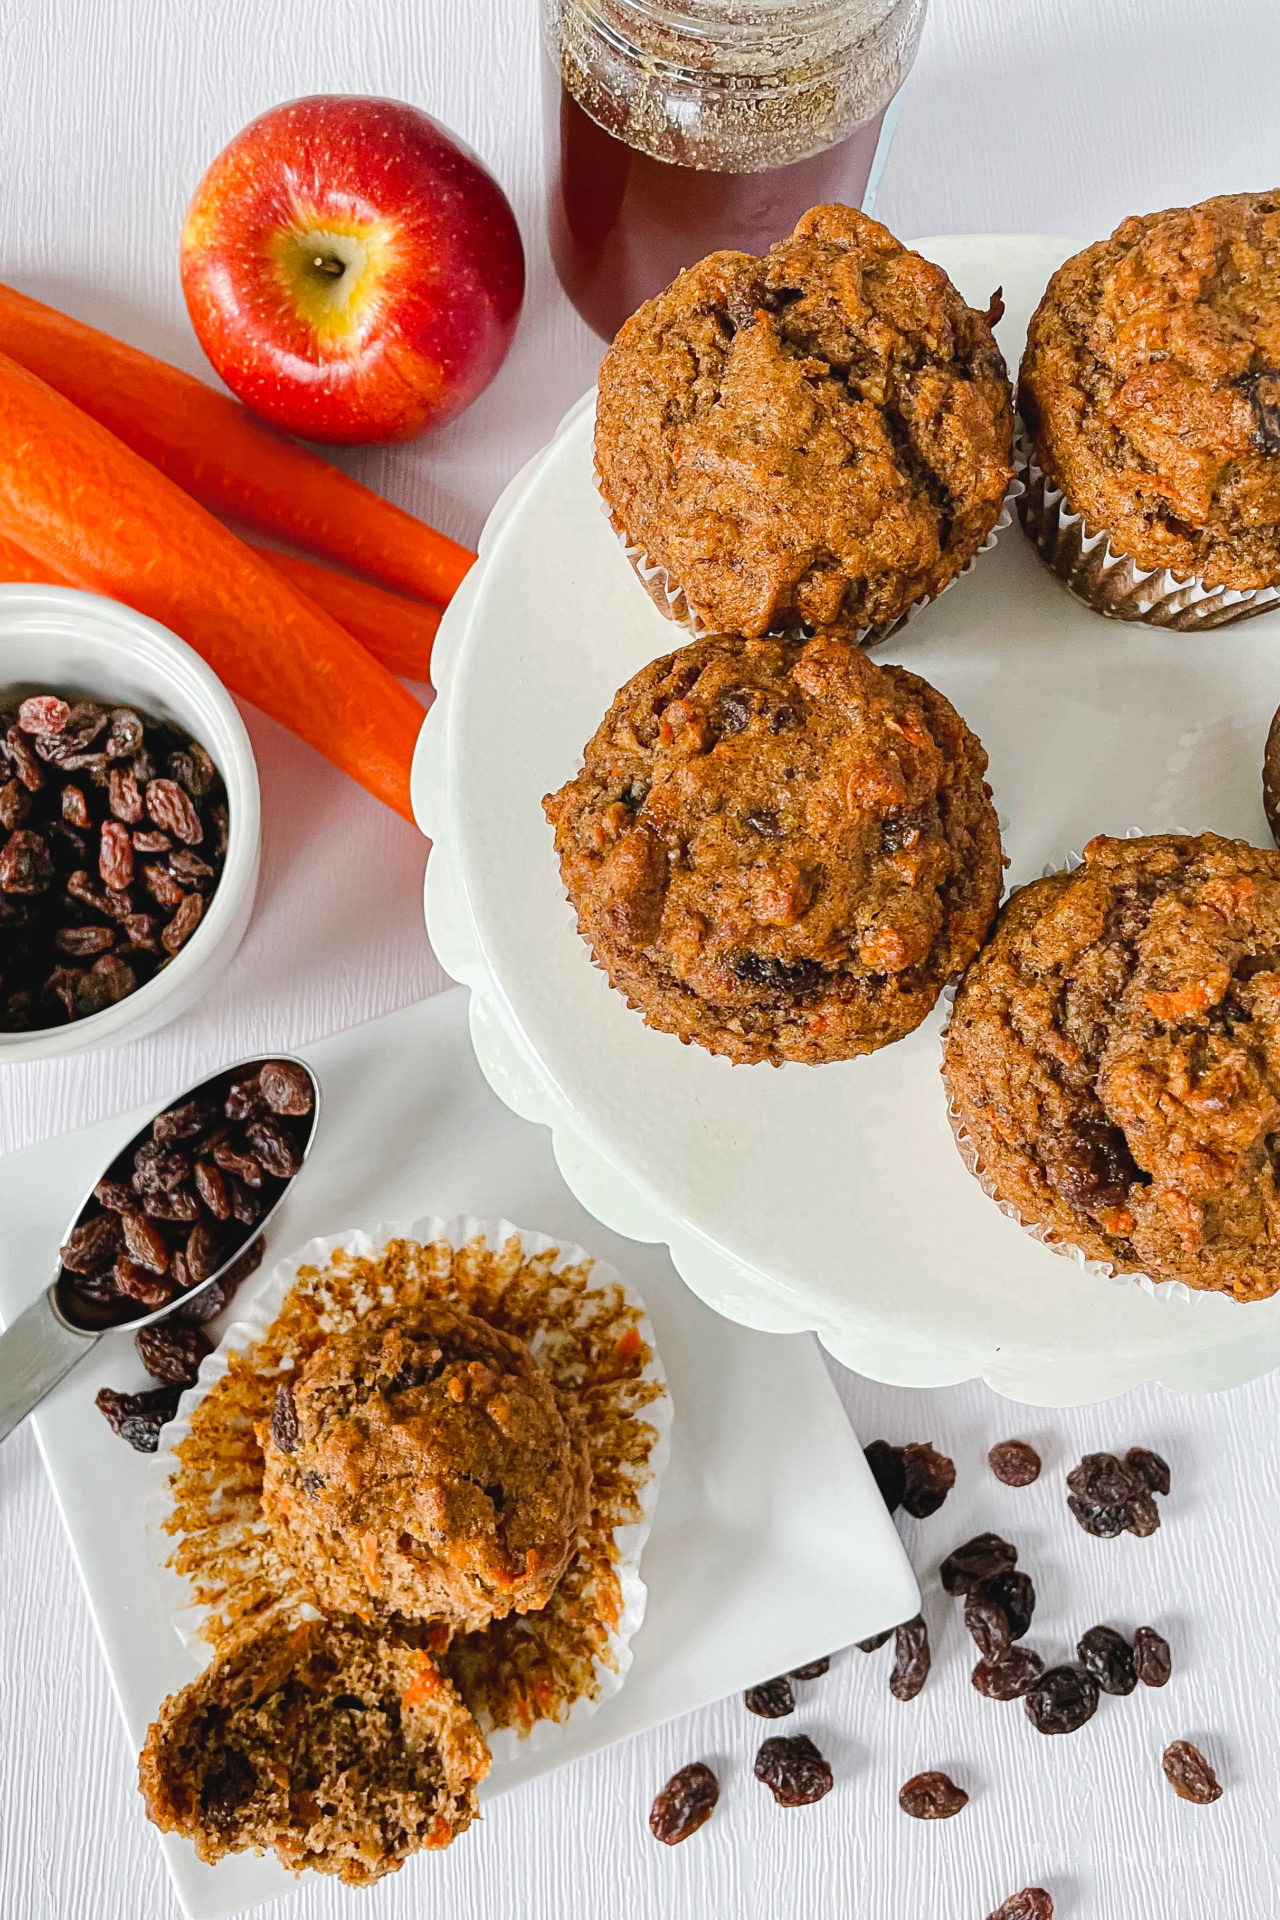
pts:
[353, 272]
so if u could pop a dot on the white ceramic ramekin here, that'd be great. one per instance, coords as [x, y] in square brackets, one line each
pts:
[58, 640]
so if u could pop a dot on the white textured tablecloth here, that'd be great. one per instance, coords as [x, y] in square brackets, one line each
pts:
[1021, 116]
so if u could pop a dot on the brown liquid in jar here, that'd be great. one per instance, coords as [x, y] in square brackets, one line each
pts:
[624, 224]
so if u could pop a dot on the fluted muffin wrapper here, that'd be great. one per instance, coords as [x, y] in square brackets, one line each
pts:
[254, 1320]
[673, 603]
[1164, 1290]
[1113, 583]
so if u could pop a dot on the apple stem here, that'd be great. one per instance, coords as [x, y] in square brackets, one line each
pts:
[325, 263]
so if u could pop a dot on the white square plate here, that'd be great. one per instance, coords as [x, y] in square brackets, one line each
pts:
[770, 1543]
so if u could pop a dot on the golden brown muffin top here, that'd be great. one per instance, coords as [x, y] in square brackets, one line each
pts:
[780, 849]
[1151, 387]
[425, 1469]
[1114, 1053]
[821, 436]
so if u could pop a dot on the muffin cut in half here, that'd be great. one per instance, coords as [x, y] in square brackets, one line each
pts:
[425, 1470]
[338, 1750]
[1150, 388]
[822, 436]
[778, 849]
[1114, 1058]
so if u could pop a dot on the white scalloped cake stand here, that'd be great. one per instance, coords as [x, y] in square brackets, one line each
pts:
[830, 1198]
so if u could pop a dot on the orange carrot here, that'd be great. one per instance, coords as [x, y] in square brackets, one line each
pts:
[397, 631]
[215, 449]
[76, 499]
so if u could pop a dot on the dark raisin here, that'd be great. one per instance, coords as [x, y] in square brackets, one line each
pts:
[932, 1796]
[247, 1206]
[1149, 1468]
[1142, 1515]
[245, 1100]
[986, 1623]
[25, 865]
[782, 976]
[1103, 1481]
[202, 1252]
[911, 1659]
[186, 919]
[813, 1670]
[284, 1419]
[930, 1478]
[138, 1417]
[684, 1805]
[981, 1558]
[286, 1087]
[181, 1205]
[185, 1122]
[125, 736]
[212, 1189]
[733, 710]
[92, 1244]
[145, 1243]
[1091, 1167]
[1015, 1595]
[171, 1352]
[793, 1770]
[1190, 1775]
[15, 804]
[772, 1699]
[234, 1159]
[1015, 1462]
[124, 797]
[75, 808]
[901, 827]
[765, 823]
[1015, 1671]
[874, 1644]
[274, 1149]
[1061, 1700]
[1261, 388]
[1104, 1523]
[81, 942]
[782, 719]
[228, 1784]
[1033, 1903]
[888, 1471]
[1108, 1656]
[189, 868]
[1152, 1660]
[158, 1168]
[212, 1299]
[150, 1290]
[171, 809]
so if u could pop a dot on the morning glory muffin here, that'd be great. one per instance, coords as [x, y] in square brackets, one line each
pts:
[1114, 1058]
[1150, 389]
[778, 849]
[339, 1750]
[424, 1470]
[822, 436]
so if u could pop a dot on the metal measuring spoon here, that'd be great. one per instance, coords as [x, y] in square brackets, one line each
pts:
[45, 1341]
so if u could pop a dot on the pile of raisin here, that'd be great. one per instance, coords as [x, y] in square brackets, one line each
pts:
[1110, 1496]
[113, 836]
[166, 1218]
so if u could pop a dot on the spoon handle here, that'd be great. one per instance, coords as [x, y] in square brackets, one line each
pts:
[35, 1352]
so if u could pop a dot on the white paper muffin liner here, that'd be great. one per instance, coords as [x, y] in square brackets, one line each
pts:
[251, 1325]
[1163, 1290]
[673, 603]
[1111, 582]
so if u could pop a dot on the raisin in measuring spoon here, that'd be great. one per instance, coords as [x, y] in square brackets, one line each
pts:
[168, 1221]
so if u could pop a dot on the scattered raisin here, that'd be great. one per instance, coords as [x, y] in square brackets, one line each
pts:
[172, 1352]
[1152, 1660]
[1103, 1481]
[987, 1623]
[1190, 1775]
[1015, 1462]
[1149, 1467]
[1008, 1676]
[888, 1471]
[876, 1641]
[1015, 1595]
[793, 1770]
[772, 1699]
[1033, 1903]
[138, 1417]
[932, 1796]
[911, 1659]
[1108, 1656]
[1143, 1515]
[978, 1559]
[930, 1477]
[1061, 1700]
[685, 1804]
[813, 1670]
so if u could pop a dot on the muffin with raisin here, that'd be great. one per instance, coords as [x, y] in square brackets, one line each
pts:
[821, 436]
[1114, 1058]
[778, 849]
[426, 1470]
[1150, 389]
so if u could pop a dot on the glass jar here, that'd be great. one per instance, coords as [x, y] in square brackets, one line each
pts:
[676, 127]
